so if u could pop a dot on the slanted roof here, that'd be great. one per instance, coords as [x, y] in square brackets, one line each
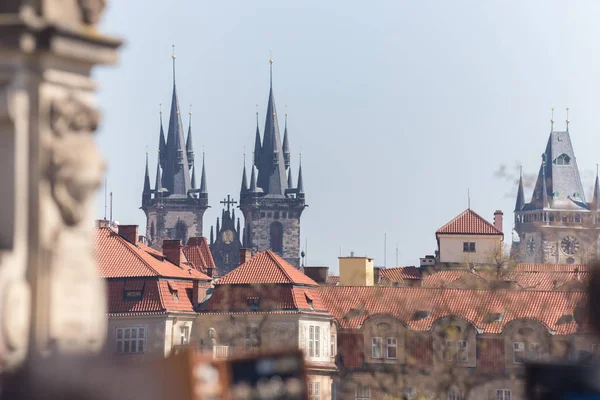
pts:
[399, 274]
[552, 267]
[197, 252]
[157, 296]
[266, 268]
[118, 258]
[469, 223]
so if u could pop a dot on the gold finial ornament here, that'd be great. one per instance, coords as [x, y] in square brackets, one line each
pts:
[173, 56]
[160, 108]
[190, 109]
[270, 57]
[568, 116]
[552, 118]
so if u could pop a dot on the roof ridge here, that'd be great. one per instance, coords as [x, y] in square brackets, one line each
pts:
[484, 220]
[281, 267]
[128, 246]
[469, 211]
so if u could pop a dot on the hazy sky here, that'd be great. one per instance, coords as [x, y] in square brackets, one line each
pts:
[398, 107]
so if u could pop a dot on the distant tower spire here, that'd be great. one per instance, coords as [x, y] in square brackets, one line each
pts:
[146, 193]
[203, 186]
[253, 181]
[290, 182]
[567, 121]
[552, 121]
[188, 143]
[212, 235]
[300, 181]
[257, 145]
[520, 193]
[158, 183]
[162, 143]
[271, 68]
[244, 180]
[286, 145]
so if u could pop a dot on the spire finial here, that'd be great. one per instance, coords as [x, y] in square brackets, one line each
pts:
[160, 108]
[173, 56]
[190, 110]
[567, 121]
[552, 121]
[271, 67]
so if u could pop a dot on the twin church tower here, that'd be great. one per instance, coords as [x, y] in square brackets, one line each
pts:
[270, 202]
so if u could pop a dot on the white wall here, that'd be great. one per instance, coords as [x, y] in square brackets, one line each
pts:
[451, 248]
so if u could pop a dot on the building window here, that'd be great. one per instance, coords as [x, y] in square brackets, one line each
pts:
[251, 338]
[185, 335]
[502, 394]
[518, 352]
[269, 215]
[332, 345]
[462, 351]
[283, 214]
[376, 344]
[563, 159]
[448, 350]
[534, 351]
[262, 214]
[132, 295]
[181, 231]
[391, 348]
[276, 215]
[314, 391]
[253, 303]
[363, 392]
[468, 247]
[276, 237]
[314, 333]
[453, 394]
[130, 340]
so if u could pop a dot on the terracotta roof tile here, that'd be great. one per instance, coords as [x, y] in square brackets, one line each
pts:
[350, 306]
[176, 295]
[551, 267]
[549, 280]
[150, 300]
[266, 267]
[333, 279]
[398, 274]
[197, 251]
[118, 258]
[469, 222]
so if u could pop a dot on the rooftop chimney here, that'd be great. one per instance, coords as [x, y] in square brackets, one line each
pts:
[172, 250]
[245, 255]
[102, 223]
[356, 271]
[129, 233]
[498, 220]
[317, 274]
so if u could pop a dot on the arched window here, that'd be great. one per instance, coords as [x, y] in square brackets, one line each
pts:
[181, 231]
[563, 159]
[276, 234]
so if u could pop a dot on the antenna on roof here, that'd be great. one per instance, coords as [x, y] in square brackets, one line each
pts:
[385, 250]
[552, 121]
[111, 209]
[567, 121]
[105, 189]
[397, 254]
[469, 198]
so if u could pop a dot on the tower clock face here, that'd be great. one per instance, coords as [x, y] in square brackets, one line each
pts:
[530, 246]
[569, 245]
[227, 236]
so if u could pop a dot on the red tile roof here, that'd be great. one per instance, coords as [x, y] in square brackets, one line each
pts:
[469, 222]
[552, 267]
[266, 267]
[118, 258]
[398, 274]
[350, 306]
[444, 278]
[549, 280]
[197, 252]
[333, 279]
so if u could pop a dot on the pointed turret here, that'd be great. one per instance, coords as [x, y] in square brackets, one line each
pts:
[238, 226]
[203, 186]
[158, 184]
[290, 182]
[162, 145]
[218, 226]
[244, 187]
[252, 182]
[212, 235]
[520, 203]
[257, 145]
[146, 192]
[271, 169]
[286, 146]
[300, 182]
[193, 182]
[188, 144]
[596, 196]
[176, 170]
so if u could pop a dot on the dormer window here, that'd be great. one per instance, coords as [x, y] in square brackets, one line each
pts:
[131, 295]
[253, 303]
[174, 290]
[310, 302]
[563, 159]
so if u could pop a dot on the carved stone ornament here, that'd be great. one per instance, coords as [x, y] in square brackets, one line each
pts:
[75, 167]
[91, 10]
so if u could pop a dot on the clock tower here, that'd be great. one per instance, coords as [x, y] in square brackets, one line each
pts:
[225, 247]
[558, 225]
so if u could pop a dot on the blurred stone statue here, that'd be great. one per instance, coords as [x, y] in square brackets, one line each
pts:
[52, 301]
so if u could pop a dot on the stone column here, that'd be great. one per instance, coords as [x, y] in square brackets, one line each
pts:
[52, 300]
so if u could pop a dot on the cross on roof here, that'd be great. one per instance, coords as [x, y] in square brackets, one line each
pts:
[229, 201]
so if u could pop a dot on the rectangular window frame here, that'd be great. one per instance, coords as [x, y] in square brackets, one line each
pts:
[130, 339]
[469, 247]
[391, 343]
[311, 341]
[462, 351]
[362, 392]
[332, 346]
[317, 341]
[449, 354]
[503, 394]
[184, 335]
[518, 352]
[377, 344]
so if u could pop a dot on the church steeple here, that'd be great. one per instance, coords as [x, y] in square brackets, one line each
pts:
[162, 146]
[244, 187]
[257, 145]
[188, 143]
[203, 185]
[176, 172]
[158, 184]
[290, 181]
[300, 181]
[252, 182]
[271, 169]
[147, 192]
[520, 193]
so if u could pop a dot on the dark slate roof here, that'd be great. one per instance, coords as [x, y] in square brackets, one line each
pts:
[271, 163]
[176, 172]
[520, 203]
[564, 190]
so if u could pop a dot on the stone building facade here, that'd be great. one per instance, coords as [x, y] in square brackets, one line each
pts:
[558, 225]
[271, 204]
[175, 207]
[225, 248]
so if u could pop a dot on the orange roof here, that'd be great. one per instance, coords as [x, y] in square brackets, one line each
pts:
[197, 252]
[398, 274]
[351, 305]
[469, 222]
[268, 268]
[118, 258]
[552, 267]
[549, 280]
[442, 278]
[333, 279]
